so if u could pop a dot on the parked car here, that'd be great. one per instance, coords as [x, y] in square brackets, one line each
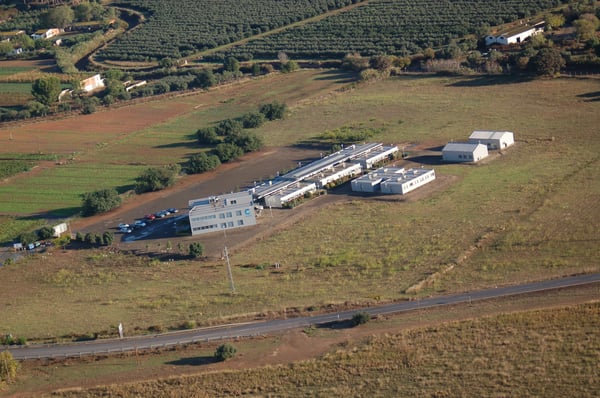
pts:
[161, 214]
[149, 217]
[123, 226]
[126, 230]
[172, 210]
[139, 224]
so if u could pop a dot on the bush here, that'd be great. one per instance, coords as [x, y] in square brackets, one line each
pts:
[253, 120]
[46, 232]
[207, 136]
[229, 127]
[273, 111]
[201, 162]
[225, 351]
[99, 201]
[228, 151]
[8, 367]
[196, 249]
[156, 178]
[360, 318]
[249, 142]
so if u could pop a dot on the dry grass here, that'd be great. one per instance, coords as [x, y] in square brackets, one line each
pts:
[529, 214]
[537, 353]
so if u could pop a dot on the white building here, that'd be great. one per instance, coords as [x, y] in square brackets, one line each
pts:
[378, 155]
[92, 83]
[46, 33]
[515, 35]
[464, 152]
[391, 180]
[493, 139]
[336, 173]
[288, 194]
[406, 181]
[217, 213]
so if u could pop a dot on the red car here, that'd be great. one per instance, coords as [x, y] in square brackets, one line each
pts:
[149, 217]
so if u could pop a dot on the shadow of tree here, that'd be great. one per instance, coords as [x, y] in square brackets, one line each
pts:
[194, 361]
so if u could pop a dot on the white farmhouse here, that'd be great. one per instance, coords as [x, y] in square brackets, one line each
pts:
[46, 33]
[515, 35]
[492, 139]
[217, 213]
[92, 83]
[464, 152]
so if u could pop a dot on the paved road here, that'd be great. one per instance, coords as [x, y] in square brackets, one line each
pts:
[268, 327]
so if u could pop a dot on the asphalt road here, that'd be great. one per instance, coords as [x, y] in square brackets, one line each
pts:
[269, 327]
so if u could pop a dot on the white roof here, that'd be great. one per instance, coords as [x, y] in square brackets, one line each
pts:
[488, 135]
[461, 147]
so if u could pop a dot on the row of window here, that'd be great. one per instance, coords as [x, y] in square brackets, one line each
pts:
[468, 157]
[203, 218]
[224, 225]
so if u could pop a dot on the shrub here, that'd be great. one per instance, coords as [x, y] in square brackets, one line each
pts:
[201, 162]
[274, 110]
[156, 178]
[196, 249]
[8, 367]
[360, 318]
[99, 201]
[46, 232]
[228, 151]
[225, 351]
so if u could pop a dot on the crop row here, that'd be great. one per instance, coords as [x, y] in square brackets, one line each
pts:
[194, 26]
[394, 27]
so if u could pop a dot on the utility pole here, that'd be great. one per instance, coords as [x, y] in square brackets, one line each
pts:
[231, 285]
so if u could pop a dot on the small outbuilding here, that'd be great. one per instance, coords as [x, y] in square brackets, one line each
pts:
[464, 152]
[493, 139]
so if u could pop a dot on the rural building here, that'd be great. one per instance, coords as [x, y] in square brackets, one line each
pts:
[46, 33]
[493, 139]
[515, 35]
[464, 152]
[59, 229]
[217, 213]
[392, 180]
[288, 194]
[92, 83]
[407, 180]
[336, 173]
[348, 162]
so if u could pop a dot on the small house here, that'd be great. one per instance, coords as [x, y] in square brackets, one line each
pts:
[492, 139]
[45, 33]
[464, 152]
[515, 35]
[92, 83]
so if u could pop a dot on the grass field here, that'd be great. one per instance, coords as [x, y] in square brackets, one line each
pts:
[528, 353]
[531, 213]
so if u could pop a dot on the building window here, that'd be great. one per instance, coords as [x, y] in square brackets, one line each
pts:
[230, 224]
[229, 214]
[222, 215]
[233, 202]
[238, 212]
[240, 222]
[223, 225]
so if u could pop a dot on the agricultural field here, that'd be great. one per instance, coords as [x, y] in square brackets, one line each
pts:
[389, 27]
[194, 26]
[12, 94]
[498, 222]
[375, 27]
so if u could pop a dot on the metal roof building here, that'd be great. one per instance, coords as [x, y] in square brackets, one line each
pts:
[492, 139]
[464, 152]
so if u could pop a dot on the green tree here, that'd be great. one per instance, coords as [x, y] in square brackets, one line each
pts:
[36, 108]
[46, 90]
[196, 249]
[201, 162]
[8, 368]
[249, 142]
[274, 110]
[207, 136]
[253, 120]
[225, 351]
[83, 12]
[227, 151]
[108, 238]
[360, 318]
[231, 64]
[59, 17]
[205, 79]
[156, 178]
[228, 127]
[586, 27]
[290, 66]
[255, 69]
[99, 201]
[46, 232]
[547, 62]
[27, 237]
